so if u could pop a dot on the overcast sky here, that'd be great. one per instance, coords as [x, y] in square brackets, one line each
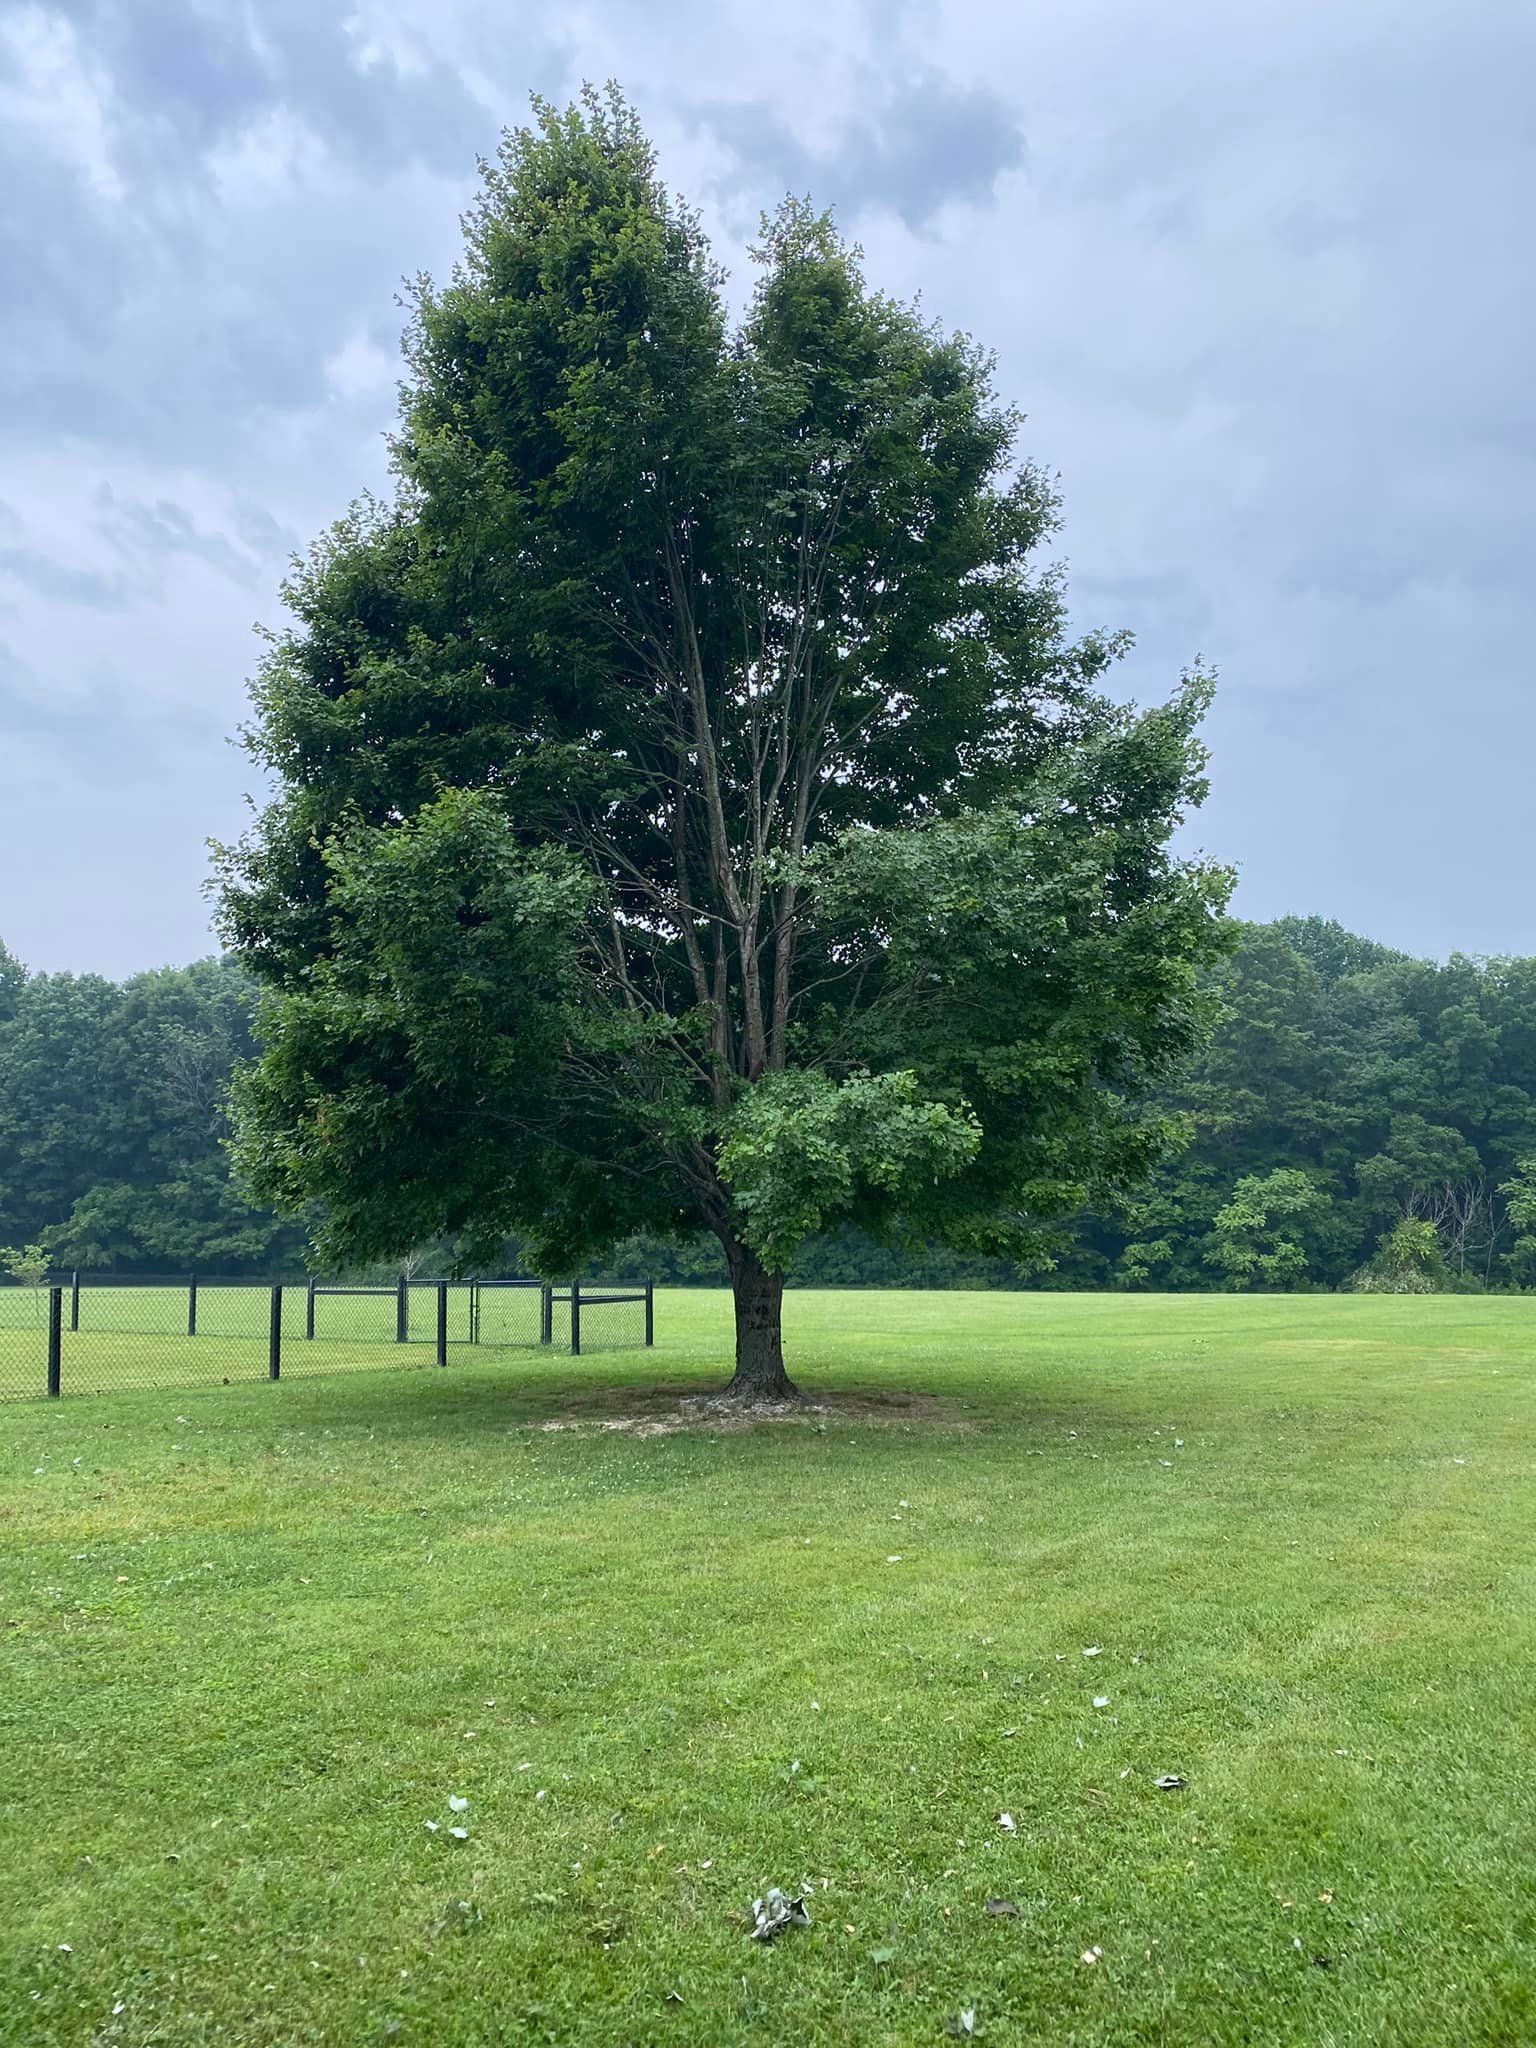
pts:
[1261, 276]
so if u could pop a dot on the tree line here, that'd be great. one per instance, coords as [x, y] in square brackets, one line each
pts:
[114, 1103]
[1359, 1118]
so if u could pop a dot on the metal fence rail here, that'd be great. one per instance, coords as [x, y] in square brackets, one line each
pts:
[104, 1332]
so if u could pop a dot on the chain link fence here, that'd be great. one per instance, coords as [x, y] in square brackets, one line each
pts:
[92, 1333]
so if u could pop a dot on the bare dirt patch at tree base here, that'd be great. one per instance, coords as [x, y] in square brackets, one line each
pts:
[663, 1411]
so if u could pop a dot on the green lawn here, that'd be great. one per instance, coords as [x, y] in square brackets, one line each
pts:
[255, 1637]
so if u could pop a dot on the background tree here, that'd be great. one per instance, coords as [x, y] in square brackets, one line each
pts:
[692, 809]
[1409, 1260]
[1520, 1194]
[113, 1117]
[1259, 1237]
[27, 1265]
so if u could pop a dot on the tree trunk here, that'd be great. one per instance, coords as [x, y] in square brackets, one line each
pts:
[759, 1295]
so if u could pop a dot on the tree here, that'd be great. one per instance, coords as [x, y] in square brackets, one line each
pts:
[27, 1265]
[1258, 1239]
[1520, 1195]
[113, 1121]
[13, 978]
[1408, 1260]
[1330, 948]
[692, 811]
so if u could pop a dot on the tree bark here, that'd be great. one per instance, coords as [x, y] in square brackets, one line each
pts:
[759, 1297]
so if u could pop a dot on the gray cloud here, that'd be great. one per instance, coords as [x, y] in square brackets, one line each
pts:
[923, 146]
[149, 535]
[196, 74]
[62, 582]
[217, 207]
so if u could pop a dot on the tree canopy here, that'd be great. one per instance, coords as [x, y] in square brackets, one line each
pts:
[113, 1117]
[693, 810]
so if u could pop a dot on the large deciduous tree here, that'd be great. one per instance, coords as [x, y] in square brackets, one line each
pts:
[691, 806]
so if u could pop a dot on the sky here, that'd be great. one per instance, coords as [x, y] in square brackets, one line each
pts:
[1260, 277]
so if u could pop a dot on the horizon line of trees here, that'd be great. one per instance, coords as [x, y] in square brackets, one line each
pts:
[1360, 1118]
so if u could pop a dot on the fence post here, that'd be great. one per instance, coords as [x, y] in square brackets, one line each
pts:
[55, 1343]
[546, 1314]
[309, 1307]
[275, 1336]
[74, 1300]
[650, 1313]
[191, 1304]
[403, 1311]
[575, 1319]
[442, 1322]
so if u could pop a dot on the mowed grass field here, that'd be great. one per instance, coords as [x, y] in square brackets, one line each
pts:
[256, 1638]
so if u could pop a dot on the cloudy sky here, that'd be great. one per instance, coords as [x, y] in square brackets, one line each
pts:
[1261, 276]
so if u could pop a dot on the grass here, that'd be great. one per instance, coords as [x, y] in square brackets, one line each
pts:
[255, 1637]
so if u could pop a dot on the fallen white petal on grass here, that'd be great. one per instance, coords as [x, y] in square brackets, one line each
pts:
[1092, 1955]
[430, 1826]
[1169, 1782]
[1101, 1699]
[1093, 1650]
[456, 1804]
[459, 1834]
[1006, 1822]
[894, 1560]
